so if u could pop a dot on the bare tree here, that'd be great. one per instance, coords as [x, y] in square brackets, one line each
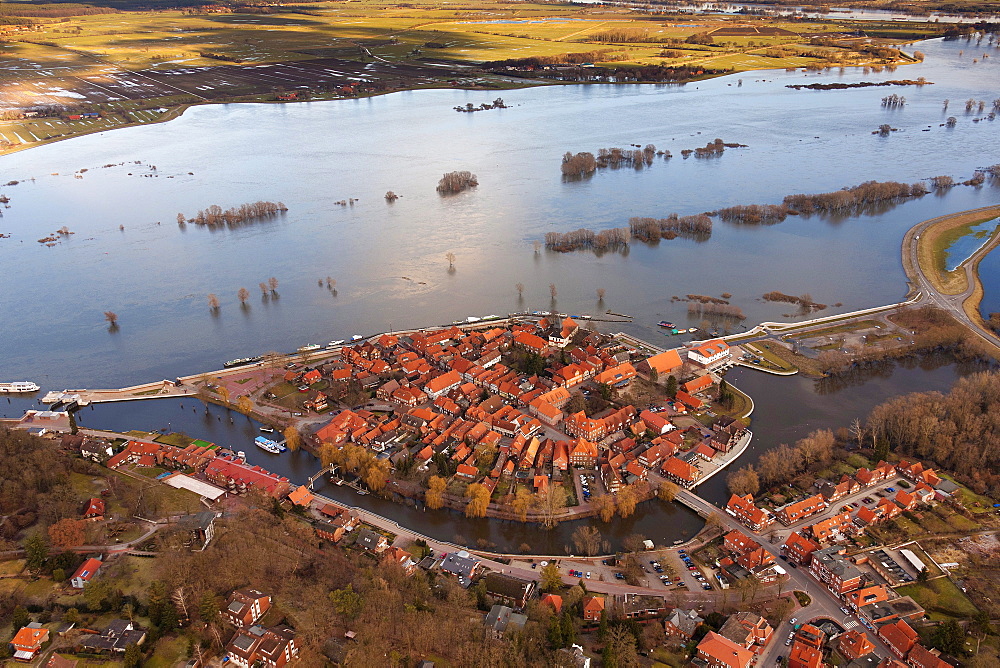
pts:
[181, 219]
[520, 289]
[273, 284]
[391, 196]
[263, 288]
[243, 295]
[111, 317]
[451, 259]
[330, 283]
[213, 301]
[552, 290]
[538, 246]
[600, 294]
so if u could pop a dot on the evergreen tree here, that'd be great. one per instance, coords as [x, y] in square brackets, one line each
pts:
[157, 597]
[133, 657]
[672, 386]
[568, 629]
[602, 627]
[36, 551]
[209, 607]
[555, 633]
[20, 618]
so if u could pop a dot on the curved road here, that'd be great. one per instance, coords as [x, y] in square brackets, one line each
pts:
[929, 295]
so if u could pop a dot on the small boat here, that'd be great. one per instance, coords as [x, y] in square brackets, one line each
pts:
[357, 337]
[334, 344]
[267, 430]
[18, 387]
[472, 318]
[336, 481]
[664, 324]
[242, 455]
[309, 348]
[362, 492]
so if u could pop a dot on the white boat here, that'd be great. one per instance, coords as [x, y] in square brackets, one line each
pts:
[334, 344]
[242, 455]
[18, 387]
[267, 445]
[309, 348]
[472, 318]
[267, 430]
[357, 337]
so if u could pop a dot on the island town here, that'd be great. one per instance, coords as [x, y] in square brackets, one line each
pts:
[535, 420]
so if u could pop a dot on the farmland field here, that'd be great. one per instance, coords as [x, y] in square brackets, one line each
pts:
[130, 68]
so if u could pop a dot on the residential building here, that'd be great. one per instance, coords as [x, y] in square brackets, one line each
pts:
[462, 565]
[681, 472]
[859, 598]
[854, 644]
[593, 606]
[119, 634]
[245, 607]
[400, 557]
[583, 453]
[87, 570]
[680, 625]
[709, 353]
[748, 630]
[921, 657]
[501, 618]
[94, 510]
[263, 648]
[743, 509]
[716, 651]
[799, 549]
[554, 601]
[804, 656]
[829, 566]
[28, 641]
[799, 510]
[508, 589]
[899, 636]
[371, 541]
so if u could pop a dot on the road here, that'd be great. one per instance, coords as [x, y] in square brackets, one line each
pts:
[930, 295]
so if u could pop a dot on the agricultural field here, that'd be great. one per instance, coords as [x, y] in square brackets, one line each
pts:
[128, 68]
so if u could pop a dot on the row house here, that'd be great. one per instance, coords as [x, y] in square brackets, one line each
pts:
[799, 549]
[618, 376]
[267, 648]
[240, 477]
[716, 651]
[744, 510]
[572, 375]
[832, 529]
[699, 384]
[138, 453]
[799, 510]
[917, 473]
[832, 568]
[899, 636]
[883, 471]
[854, 644]
[583, 453]
[834, 492]
[531, 343]
[655, 454]
[655, 422]
[870, 595]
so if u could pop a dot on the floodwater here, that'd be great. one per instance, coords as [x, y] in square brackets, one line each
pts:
[966, 246]
[127, 253]
[389, 259]
[989, 274]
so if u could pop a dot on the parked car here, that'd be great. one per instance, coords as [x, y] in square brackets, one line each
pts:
[890, 489]
[619, 576]
[706, 586]
[868, 499]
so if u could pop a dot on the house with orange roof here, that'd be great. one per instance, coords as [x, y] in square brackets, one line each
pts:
[854, 644]
[466, 471]
[717, 651]
[94, 510]
[560, 455]
[889, 509]
[868, 516]
[743, 509]
[799, 510]
[654, 455]
[87, 570]
[681, 472]
[443, 384]
[301, 496]
[899, 636]
[546, 412]
[409, 396]
[832, 528]
[709, 353]
[554, 601]
[618, 376]
[611, 478]
[748, 630]
[921, 657]
[28, 642]
[593, 606]
[859, 598]
[531, 343]
[541, 483]
[905, 500]
[804, 656]
[798, 548]
[694, 403]
[664, 364]
[699, 384]
[400, 557]
[583, 453]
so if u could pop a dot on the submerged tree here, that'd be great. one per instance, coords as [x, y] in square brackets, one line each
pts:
[451, 259]
[243, 295]
[111, 317]
[213, 301]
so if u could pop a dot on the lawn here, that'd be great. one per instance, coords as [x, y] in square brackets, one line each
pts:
[766, 351]
[841, 329]
[940, 595]
[168, 652]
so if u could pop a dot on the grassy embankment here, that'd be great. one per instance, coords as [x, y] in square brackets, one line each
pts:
[933, 244]
[68, 54]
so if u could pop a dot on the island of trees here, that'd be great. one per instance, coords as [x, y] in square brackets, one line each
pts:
[456, 182]
[237, 215]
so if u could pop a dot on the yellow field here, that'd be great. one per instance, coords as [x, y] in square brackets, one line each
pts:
[79, 61]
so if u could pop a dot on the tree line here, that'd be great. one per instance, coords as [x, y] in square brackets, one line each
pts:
[805, 301]
[729, 311]
[237, 215]
[650, 230]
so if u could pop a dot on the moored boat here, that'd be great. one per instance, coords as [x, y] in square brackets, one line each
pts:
[241, 361]
[267, 445]
[309, 347]
[665, 325]
[18, 387]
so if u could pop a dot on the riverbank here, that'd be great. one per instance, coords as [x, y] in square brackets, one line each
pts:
[934, 240]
